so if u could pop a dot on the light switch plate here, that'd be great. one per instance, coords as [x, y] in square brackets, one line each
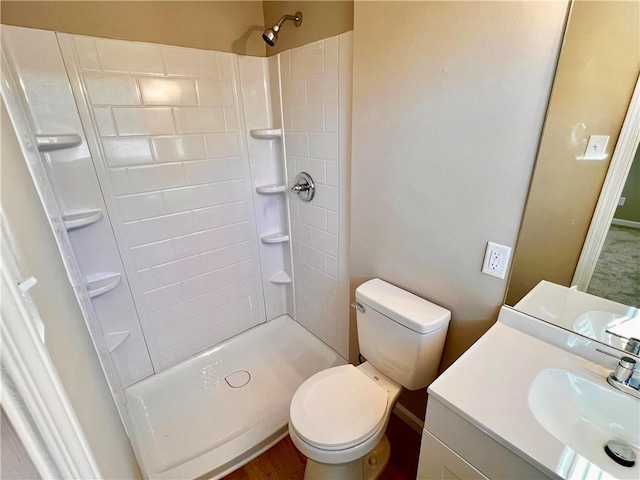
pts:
[596, 147]
[496, 260]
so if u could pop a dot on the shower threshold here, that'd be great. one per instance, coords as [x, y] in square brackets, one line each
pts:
[211, 414]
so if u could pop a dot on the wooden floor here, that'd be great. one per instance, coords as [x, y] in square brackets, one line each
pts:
[284, 462]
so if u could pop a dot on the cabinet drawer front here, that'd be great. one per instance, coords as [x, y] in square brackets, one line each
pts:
[437, 461]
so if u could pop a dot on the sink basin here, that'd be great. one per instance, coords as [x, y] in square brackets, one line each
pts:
[583, 414]
[537, 392]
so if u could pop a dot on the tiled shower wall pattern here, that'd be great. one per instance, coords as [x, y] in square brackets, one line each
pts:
[314, 100]
[174, 173]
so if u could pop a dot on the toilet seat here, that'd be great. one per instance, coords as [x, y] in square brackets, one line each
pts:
[338, 408]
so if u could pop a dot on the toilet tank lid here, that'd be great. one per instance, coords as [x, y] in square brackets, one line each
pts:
[405, 308]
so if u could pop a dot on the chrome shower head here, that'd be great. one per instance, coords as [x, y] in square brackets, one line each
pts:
[270, 35]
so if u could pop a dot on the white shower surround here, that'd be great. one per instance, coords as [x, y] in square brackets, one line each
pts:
[316, 105]
[68, 183]
[161, 159]
[166, 136]
[169, 152]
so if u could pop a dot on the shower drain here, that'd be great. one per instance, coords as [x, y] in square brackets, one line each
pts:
[238, 379]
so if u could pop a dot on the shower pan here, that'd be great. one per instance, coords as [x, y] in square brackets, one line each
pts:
[210, 290]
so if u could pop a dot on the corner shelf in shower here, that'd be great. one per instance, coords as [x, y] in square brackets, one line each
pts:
[280, 278]
[81, 218]
[268, 189]
[279, 237]
[115, 339]
[48, 142]
[266, 133]
[101, 283]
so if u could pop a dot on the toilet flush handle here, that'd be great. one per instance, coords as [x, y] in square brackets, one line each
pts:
[358, 306]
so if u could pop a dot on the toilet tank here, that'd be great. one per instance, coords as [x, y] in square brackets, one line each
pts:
[400, 334]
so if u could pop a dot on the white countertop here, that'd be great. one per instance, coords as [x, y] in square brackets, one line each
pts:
[490, 384]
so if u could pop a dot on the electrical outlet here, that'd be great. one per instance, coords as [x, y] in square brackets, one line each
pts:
[622, 201]
[496, 260]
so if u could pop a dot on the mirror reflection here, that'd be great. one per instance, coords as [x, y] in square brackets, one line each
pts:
[599, 319]
[577, 260]
[617, 272]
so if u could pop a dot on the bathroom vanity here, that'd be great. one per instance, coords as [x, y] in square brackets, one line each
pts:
[528, 400]
[453, 447]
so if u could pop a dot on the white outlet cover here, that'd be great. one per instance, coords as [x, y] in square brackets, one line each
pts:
[496, 260]
[596, 147]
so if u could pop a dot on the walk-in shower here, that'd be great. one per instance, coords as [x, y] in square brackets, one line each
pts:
[206, 284]
[270, 35]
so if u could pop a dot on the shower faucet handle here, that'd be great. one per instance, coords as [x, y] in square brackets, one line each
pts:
[304, 187]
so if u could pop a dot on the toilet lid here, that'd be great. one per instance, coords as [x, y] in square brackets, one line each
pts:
[338, 408]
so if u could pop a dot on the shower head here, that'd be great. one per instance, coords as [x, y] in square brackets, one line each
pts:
[270, 35]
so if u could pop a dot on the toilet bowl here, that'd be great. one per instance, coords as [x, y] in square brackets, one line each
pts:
[337, 420]
[338, 416]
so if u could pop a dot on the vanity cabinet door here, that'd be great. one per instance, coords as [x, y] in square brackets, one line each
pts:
[439, 462]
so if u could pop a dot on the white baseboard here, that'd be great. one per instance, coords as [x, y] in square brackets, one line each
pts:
[409, 418]
[625, 223]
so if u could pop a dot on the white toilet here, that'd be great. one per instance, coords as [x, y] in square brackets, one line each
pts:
[338, 416]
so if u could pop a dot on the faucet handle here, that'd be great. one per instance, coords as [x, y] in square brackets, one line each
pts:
[633, 346]
[624, 369]
[620, 378]
[304, 187]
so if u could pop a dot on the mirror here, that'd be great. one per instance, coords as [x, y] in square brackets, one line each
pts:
[595, 79]
[605, 321]
[616, 275]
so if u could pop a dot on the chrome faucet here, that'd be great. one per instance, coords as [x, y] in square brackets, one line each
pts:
[622, 377]
[633, 345]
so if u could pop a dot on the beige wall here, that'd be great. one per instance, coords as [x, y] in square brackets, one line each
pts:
[67, 338]
[320, 19]
[227, 26]
[596, 75]
[234, 26]
[447, 113]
